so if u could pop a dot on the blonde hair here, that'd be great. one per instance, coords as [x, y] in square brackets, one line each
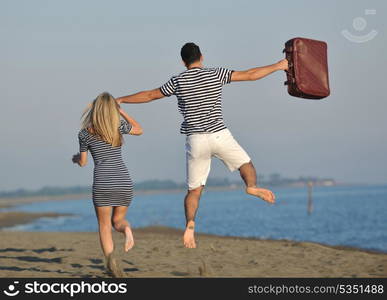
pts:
[102, 118]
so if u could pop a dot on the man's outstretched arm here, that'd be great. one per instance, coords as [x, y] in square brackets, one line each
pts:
[141, 97]
[260, 72]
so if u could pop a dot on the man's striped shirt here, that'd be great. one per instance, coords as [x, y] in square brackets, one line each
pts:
[199, 94]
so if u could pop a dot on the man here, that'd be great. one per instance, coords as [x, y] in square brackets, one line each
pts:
[199, 91]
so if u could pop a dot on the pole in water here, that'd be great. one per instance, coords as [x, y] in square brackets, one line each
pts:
[310, 197]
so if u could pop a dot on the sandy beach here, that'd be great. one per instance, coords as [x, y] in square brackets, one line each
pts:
[10, 202]
[8, 219]
[159, 253]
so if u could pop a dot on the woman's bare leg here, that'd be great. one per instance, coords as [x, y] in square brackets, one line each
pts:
[122, 225]
[105, 229]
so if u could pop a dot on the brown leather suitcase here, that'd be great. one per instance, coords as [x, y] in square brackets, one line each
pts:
[307, 76]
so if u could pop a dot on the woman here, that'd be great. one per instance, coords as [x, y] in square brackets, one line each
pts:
[101, 133]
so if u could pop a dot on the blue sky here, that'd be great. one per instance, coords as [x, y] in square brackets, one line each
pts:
[56, 56]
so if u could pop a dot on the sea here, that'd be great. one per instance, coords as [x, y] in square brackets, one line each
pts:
[342, 215]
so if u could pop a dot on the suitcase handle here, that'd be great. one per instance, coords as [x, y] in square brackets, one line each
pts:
[292, 80]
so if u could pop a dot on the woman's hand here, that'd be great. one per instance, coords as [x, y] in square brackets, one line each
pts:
[80, 159]
[76, 158]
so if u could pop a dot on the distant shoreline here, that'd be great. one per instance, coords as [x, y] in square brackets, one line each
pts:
[166, 185]
[7, 202]
[15, 201]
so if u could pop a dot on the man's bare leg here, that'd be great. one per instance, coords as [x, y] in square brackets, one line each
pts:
[191, 204]
[249, 176]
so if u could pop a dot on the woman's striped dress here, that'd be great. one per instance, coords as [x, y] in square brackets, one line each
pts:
[112, 185]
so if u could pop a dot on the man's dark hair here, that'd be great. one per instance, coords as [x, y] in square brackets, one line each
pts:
[190, 53]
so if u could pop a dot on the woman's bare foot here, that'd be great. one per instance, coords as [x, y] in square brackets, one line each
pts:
[188, 237]
[113, 267]
[129, 241]
[264, 194]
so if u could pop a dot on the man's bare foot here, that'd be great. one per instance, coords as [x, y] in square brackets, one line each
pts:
[264, 194]
[188, 237]
[129, 241]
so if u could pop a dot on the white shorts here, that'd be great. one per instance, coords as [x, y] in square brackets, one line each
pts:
[200, 148]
